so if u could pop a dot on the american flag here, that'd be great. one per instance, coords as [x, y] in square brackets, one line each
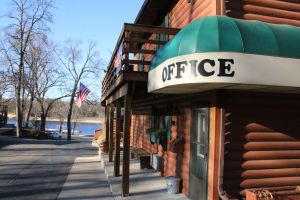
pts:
[82, 94]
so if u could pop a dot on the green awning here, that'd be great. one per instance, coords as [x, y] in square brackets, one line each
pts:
[224, 34]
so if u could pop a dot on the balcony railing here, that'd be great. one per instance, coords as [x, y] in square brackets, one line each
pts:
[134, 50]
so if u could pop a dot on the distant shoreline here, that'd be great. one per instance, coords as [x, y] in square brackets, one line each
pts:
[86, 120]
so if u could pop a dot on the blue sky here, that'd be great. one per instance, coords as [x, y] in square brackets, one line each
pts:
[88, 20]
[98, 20]
[85, 20]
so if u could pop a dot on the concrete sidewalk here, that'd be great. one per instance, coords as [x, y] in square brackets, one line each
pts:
[145, 184]
[86, 180]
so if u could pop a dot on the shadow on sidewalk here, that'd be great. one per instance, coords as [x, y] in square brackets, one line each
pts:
[144, 184]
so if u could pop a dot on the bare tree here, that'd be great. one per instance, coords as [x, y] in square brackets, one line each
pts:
[7, 71]
[27, 18]
[59, 111]
[5, 88]
[79, 68]
[37, 58]
[33, 59]
[45, 77]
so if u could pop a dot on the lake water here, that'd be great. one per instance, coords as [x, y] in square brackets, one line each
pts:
[82, 128]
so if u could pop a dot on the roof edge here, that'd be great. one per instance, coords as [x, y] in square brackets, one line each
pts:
[141, 11]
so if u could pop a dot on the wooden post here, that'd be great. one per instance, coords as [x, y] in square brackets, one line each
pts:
[126, 146]
[118, 130]
[106, 128]
[214, 152]
[215, 134]
[111, 133]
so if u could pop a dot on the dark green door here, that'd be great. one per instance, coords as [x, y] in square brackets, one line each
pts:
[199, 153]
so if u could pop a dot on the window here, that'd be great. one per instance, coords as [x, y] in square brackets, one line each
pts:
[201, 129]
[141, 57]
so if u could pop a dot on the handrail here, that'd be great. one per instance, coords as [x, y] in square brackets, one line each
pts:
[135, 39]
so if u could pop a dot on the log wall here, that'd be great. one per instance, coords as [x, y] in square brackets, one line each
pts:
[184, 13]
[262, 142]
[139, 139]
[272, 11]
[184, 129]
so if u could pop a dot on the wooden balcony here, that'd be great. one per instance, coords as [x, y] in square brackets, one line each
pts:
[132, 56]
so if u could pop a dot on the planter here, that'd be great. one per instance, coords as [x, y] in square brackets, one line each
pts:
[153, 139]
[158, 136]
[284, 193]
[157, 162]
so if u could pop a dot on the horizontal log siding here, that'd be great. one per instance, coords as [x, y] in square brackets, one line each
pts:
[139, 138]
[184, 13]
[184, 129]
[272, 11]
[262, 142]
[170, 159]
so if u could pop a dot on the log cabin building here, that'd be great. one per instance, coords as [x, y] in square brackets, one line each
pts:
[212, 87]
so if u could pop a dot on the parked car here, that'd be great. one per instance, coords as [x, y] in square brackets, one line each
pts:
[54, 135]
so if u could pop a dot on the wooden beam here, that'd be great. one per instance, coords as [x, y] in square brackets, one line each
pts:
[142, 41]
[117, 82]
[122, 91]
[111, 133]
[143, 51]
[135, 76]
[126, 146]
[118, 134]
[123, 77]
[150, 29]
[138, 62]
[106, 128]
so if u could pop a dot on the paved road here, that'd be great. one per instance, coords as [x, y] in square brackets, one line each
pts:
[37, 169]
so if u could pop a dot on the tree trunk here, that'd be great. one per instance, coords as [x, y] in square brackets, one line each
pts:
[43, 120]
[74, 127]
[69, 125]
[60, 125]
[69, 118]
[18, 99]
[18, 118]
[23, 99]
[43, 123]
[29, 111]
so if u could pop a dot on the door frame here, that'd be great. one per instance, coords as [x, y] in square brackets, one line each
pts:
[195, 106]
